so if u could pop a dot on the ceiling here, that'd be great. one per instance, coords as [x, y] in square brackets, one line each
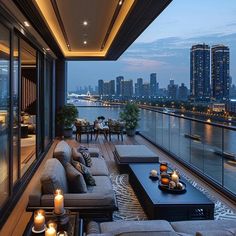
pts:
[84, 28]
[90, 29]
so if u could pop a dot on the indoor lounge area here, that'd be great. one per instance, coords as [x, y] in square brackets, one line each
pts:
[106, 182]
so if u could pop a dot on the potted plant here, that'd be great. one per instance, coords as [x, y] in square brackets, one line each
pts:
[66, 117]
[130, 115]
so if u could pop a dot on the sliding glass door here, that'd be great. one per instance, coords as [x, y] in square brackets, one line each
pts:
[4, 112]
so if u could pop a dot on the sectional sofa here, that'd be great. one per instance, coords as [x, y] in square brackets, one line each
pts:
[163, 228]
[97, 202]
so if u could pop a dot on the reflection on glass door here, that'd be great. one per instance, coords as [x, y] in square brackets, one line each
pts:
[4, 113]
[28, 105]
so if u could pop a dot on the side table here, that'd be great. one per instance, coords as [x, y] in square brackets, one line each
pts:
[75, 227]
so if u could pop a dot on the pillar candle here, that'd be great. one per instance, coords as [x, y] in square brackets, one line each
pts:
[39, 221]
[58, 202]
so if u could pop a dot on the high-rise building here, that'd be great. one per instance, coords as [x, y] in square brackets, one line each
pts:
[183, 92]
[200, 72]
[146, 90]
[109, 88]
[220, 78]
[172, 90]
[118, 85]
[112, 87]
[153, 84]
[139, 87]
[100, 87]
[127, 88]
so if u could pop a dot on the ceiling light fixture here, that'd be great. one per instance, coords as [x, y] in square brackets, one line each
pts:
[85, 23]
[26, 23]
[120, 2]
[47, 49]
[85, 42]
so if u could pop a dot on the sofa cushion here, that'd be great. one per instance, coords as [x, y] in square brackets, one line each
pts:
[92, 228]
[94, 152]
[62, 152]
[85, 172]
[214, 233]
[149, 233]
[53, 177]
[77, 156]
[136, 226]
[99, 166]
[101, 195]
[75, 179]
[191, 227]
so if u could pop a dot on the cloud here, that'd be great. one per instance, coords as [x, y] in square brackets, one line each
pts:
[141, 65]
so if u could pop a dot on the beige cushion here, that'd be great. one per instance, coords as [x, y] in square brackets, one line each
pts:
[62, 152]
[75, 179]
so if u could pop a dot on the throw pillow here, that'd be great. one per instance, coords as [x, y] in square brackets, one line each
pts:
[219, 232]
[87, 157]
[77, 156]
[82, 148]
[93, 228]
[85, 172]
[75, 179]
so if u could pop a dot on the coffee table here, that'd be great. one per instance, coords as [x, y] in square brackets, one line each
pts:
[75, 226]
[191, 205]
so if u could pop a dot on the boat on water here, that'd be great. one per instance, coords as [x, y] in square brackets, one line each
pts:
[193, 137]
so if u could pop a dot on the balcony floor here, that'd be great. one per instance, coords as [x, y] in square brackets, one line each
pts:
[19, 217]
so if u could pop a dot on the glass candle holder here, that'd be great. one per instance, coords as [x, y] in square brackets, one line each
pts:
[39, 220]
[58, 202]
[51, 229]
[163, 167]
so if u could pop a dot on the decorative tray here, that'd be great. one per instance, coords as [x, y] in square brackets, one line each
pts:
[167, 189]
[153, 178]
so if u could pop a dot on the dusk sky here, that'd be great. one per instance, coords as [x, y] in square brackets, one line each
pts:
[164, 47]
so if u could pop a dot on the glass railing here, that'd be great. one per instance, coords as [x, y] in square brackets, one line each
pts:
[208, 148]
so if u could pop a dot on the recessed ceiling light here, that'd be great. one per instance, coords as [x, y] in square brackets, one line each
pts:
[85, 23]
[85, 42]
[47, 49]
[26, 23]
[120, 2]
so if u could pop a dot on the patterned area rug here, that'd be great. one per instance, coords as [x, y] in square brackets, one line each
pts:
[130, 208]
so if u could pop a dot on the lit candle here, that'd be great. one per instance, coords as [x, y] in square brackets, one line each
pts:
[175, 177]
[58, 202]
[39, 220]
[163, 167]
[50, 231]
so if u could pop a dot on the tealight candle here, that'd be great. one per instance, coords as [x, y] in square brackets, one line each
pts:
[51, 229]
[58, 202]
[175, 177]
[39, 220]
[62, 233]
[165, 180]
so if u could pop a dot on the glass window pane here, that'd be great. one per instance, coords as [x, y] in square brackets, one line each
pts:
[15, 94]
[4, 112]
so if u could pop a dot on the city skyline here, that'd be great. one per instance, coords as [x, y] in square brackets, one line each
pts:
[164, 47]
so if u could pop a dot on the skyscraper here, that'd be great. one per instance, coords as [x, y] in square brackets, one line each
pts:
[172, 90]
[183, 92]
[153, 84]
[220, 78]
[100, 87]
[200, 72]
[127, 88]
[139, 88]
[118, 85]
